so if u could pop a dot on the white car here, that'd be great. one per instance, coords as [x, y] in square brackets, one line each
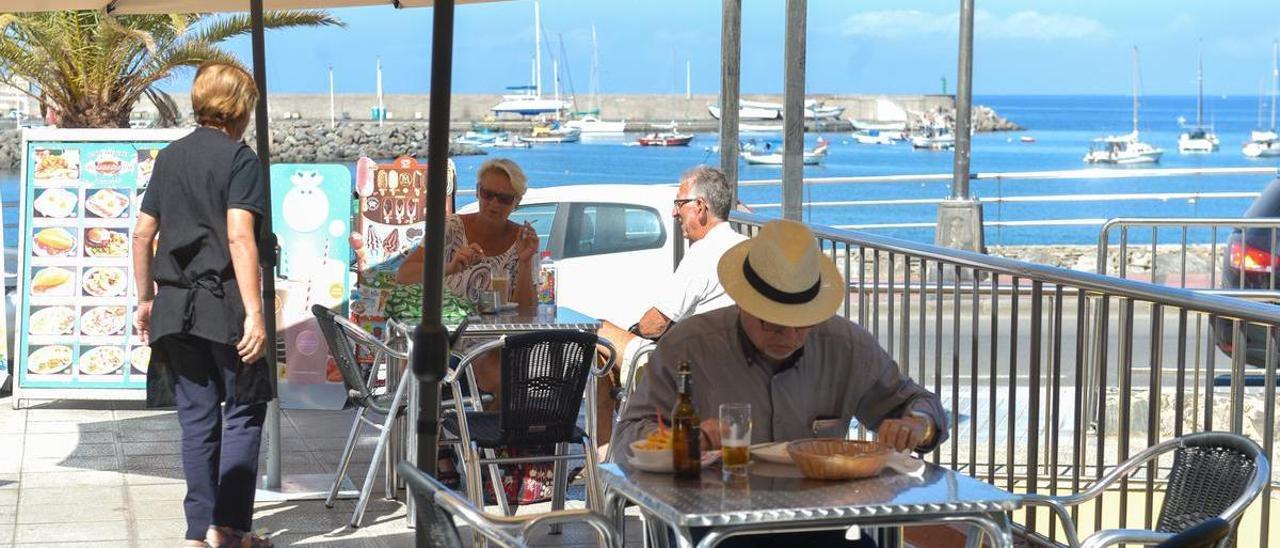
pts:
[612, 244]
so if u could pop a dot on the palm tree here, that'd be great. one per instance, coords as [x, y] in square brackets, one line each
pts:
[93, 67]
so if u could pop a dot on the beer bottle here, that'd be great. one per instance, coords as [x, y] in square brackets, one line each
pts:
[686, 431]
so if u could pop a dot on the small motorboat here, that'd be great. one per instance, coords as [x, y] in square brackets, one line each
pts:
[666, 139]
[1027, 139]
[876, 136]
[553, 133]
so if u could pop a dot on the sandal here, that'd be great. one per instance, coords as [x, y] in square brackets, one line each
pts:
[233, 538]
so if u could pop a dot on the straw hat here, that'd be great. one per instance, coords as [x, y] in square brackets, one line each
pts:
[781, 277]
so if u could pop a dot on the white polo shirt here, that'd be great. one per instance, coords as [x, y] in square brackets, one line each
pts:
[695, 287]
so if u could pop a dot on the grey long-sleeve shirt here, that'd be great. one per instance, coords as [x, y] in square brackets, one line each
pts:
[842, 373]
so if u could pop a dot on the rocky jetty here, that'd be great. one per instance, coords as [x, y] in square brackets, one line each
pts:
[10, 148]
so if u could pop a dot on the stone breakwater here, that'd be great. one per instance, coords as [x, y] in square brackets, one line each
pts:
[10, 148]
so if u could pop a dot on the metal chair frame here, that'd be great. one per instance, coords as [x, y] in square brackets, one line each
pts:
[510, 531]
[363, 397]
[1059, 504]
[473, 461]
[629, 387]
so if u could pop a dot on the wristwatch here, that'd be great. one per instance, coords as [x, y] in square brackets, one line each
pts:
[929, 428]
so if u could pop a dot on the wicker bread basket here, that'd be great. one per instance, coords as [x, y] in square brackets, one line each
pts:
[837, 459]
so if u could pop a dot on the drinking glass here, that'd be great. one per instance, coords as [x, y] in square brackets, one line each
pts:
[500, 283]
[735, 435]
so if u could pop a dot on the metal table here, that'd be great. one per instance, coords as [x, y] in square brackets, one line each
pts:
[543, 318]
[776, 498]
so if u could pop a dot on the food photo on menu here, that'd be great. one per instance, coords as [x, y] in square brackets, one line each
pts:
[146, 163]
[140, 358]
[54, 281]
[54, 241]
[106, 203]
[49, 360]
[103, 321]
[52, 320]
[106, 242]
[102, 360]
[56, 165]
[109, 164]
[55, 203]
[105, 281]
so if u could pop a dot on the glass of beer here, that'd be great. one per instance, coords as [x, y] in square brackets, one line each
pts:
[500, 283]
[735, 436]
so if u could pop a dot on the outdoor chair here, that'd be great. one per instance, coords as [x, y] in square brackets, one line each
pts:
[438, 506]
[634, 371]
[1214, 475]
[544, 375]
[344, 338]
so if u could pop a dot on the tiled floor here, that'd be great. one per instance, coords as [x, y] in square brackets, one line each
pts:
[108, 474]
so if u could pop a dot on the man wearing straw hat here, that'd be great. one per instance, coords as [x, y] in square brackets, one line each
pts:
[805, 371]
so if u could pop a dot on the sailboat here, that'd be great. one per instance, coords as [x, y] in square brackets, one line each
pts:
[1266, 144]
[531, 102]
[1198, 138]
[1124, 149]
[592, 124]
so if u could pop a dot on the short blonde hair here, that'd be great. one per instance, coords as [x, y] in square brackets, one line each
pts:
[222, 95]
[519, 182]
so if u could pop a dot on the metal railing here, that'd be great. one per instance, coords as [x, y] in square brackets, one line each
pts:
[1017, 350]
[1206, 255]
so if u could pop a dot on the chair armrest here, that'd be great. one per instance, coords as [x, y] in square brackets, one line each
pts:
[488, 526]
[1111, 537]
[471, 357]
[601, 370]
[604, 530]
[361, 337]
[1059, 508]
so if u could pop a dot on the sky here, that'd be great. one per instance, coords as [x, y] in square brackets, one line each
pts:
[854, 47]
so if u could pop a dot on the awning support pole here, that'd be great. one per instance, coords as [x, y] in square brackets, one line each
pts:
[431, 340]
[793, 111]
[730, 88]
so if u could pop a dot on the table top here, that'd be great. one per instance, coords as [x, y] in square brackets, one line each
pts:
[777, 493]
[518, 321]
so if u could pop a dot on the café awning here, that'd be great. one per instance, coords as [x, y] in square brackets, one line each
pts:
[206, 6]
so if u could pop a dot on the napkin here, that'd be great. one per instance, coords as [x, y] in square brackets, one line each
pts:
[905, 464]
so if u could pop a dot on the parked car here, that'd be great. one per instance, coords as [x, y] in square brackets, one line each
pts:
[1249, 254]
[612, 244]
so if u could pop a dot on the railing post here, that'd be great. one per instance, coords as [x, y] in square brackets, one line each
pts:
[960, 216]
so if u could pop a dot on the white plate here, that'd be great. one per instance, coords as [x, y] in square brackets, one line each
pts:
[664, 468]
[772, 452]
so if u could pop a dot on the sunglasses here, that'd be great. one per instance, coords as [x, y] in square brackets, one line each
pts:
[504, 199]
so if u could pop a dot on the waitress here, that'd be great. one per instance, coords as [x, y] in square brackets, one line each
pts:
[200, 304]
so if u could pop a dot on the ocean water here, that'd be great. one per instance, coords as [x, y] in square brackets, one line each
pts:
[1063, 127]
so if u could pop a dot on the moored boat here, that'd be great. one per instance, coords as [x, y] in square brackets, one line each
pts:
[666, 139]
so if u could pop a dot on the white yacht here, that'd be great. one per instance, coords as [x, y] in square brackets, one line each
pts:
[1198, 139]
[1266, 143]
[593, 124]
[1124, 149]
[877, 137]
[531, 102]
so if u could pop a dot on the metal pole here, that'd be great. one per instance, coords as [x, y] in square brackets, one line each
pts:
[730, 84]
[964, 105]
[431, 340]
[267, 255]
[793, 111]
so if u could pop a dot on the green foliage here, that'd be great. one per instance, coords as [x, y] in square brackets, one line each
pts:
[92, 67]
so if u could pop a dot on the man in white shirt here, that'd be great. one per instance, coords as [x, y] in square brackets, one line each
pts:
[702, 206]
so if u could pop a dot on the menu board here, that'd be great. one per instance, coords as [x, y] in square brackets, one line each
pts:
[390, 222]
[311, 205]
[81, 190]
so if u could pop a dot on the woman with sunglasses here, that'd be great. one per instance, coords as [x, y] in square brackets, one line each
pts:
[478, 245]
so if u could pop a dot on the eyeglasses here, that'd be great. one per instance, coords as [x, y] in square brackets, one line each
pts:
[680, 202]
[504, 199]
[779, 329]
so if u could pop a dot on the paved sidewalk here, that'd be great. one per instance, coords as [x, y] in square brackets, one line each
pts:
[109, 474]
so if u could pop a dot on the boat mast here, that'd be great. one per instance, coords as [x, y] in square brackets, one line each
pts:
[1200, 96]
[595, 72]
[537, 48]
[1135, 90]
[1275, 79]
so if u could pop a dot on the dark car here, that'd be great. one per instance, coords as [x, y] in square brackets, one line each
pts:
[1252, 253]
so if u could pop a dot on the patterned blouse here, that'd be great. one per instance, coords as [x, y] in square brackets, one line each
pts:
[473, 281]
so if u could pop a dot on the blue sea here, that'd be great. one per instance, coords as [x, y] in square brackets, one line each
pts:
[1062, 127]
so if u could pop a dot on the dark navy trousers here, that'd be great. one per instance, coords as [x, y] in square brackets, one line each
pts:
[220, 439]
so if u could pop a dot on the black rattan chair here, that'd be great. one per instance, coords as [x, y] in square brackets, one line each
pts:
[1208, 534]
[1214, 475]
[438, 506]
[544, 376]
[343, 339]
